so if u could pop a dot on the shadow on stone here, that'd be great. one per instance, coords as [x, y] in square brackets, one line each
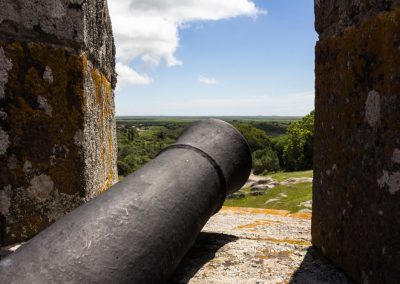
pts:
[204, 250]
[316, 269]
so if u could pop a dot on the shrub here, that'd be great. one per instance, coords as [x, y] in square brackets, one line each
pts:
[265, 161]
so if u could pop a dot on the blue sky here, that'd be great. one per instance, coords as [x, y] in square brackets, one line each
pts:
[254, 59]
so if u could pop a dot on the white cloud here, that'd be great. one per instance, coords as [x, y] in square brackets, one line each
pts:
[207, 80]
[298, 104]
[127, 75]
[149, 29]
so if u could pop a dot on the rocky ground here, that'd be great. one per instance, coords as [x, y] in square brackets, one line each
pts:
[259, 185]
[244, 245]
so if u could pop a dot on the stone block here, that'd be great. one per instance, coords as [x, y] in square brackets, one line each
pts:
[57, 124]
[356, 194]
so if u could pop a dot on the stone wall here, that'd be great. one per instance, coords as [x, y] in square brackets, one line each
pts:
[57, 124]
[356, 207]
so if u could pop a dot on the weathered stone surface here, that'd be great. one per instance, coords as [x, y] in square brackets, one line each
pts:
[81, 25]
[356, 198]
[333, 16]
[245, 245]
[57, 125]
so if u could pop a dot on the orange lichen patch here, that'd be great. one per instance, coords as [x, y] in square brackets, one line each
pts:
[283, 213]
[257, 224]
[103, 101]
[110, 149]
[103, 97]
[103, 91]
[97, 81]
[247, 210]
[84, 62]
[306, 216]
[268, 254]
[110, 180]
[107, 87]
[103, 157]
[289, 241]
[108, 169]
[284, 241]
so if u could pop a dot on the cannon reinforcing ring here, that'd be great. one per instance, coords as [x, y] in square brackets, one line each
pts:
[212, 161]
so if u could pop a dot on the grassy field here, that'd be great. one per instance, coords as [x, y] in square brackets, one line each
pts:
[292, 198]
[281, 176]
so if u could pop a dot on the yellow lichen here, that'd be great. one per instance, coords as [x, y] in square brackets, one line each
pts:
[282, 241]
[104, 101]
[283, 213]
[97, 81]
[257, 224]
[268, 254]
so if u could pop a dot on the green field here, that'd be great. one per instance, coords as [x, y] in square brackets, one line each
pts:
[292, 198]
[281, 176]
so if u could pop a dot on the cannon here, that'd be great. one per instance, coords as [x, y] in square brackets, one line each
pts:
[140, 229]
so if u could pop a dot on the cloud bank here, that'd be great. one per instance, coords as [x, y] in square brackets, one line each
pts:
[129, 76]
[148, 30]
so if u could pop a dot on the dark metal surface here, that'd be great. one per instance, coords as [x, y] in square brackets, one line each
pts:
[139, 230]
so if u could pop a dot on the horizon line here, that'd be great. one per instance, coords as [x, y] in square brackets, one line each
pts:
[208, 115]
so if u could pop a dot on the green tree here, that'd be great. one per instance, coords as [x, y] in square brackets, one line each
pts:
[298, 149]
[135, 148]
[279, 144]
[256, 138]
[265, 161]
[123, 168]
[131, 133]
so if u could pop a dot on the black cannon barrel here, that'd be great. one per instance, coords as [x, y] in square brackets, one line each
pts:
[140, 229]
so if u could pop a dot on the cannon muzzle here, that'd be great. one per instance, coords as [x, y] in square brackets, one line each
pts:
[140, 229]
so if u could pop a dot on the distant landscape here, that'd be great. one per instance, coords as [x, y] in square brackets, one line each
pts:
[281, 148]
[196, 118]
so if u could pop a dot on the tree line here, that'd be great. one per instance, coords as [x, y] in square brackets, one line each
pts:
[292, 151]
[289, 147]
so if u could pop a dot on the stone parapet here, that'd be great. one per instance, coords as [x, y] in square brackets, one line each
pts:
[82, 25]
[57, 123]
[356, 196]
